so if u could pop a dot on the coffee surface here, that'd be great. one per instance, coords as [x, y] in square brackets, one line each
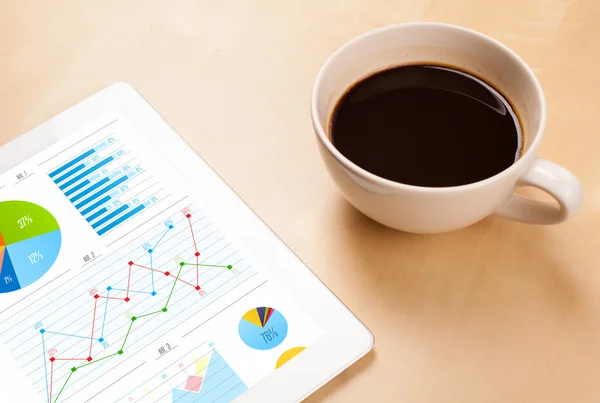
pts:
[426, 125]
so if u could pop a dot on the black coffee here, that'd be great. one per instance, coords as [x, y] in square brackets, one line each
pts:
[427, 125]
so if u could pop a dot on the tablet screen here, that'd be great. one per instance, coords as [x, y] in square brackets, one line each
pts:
[118, 284]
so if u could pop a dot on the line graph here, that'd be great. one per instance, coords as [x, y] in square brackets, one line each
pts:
[102, 300]
[151, 261]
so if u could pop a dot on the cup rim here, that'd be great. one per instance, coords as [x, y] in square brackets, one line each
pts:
[357, 170]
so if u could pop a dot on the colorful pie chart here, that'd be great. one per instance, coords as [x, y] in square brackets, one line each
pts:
[30, 241]
[263, 328]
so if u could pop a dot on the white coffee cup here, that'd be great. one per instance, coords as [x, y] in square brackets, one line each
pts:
[429, 210]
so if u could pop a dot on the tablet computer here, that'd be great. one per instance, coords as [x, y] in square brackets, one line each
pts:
[131, 272]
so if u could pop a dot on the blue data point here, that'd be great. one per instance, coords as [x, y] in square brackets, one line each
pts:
[42, 331]
[101, 340]
[153, 293]
[108, 288]
[150, 250]
[170, 227]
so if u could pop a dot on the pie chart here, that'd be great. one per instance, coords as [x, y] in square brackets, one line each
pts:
[288, 355]
[263, 328]
[30, 241]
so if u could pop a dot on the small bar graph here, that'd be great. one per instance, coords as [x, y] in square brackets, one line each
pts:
[82, 184]
[106, 183]
[83, 174]
[81, 157]
[113, 184]
[123, 218]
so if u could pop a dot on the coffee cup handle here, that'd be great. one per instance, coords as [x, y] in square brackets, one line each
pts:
[554, 180]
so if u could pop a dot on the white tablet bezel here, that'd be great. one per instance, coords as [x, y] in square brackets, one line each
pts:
[346, 339]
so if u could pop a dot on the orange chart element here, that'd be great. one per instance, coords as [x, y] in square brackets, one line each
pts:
[288, 355]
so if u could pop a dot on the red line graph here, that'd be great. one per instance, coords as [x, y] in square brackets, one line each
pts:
[51, 376]
[197, 253]
[115, 298]
[131, 265]
[128, 281]
[93, 326]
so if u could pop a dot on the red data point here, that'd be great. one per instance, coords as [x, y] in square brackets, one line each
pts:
[96, 296]
[197, 288]
[89, 359]
[188, 215]
[52, 359]
[130, 263]
[197, 254]
[127, 299]
[167, 273]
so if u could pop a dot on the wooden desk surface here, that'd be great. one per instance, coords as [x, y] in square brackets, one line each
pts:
[498, 312]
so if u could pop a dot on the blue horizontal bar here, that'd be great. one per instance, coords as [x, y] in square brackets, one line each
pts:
[90, 189]
[116, 173]
[73, 162]
[87, 172]
[110, 216]
[96, 214]
[120, 220]
[70, 173]
[95, 205]
[76, 188]
[101, 146]
[102, 191]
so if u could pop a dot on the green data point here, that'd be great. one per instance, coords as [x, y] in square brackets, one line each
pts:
[181, 264]
[73, 369]
[120, 352]
[164, 309]
[133, 318]
[230, 267]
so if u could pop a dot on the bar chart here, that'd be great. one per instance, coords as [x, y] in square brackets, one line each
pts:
[115, 272]
[106, 183]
